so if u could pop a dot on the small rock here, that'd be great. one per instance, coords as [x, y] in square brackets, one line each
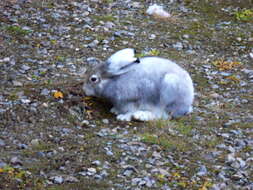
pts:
[152, 37]
[104, 173]
[17, 83]
[129, 170]
[25, 101]
[93, 44]
[2, 143]
[127, 173]
[136, 5]
[251, 55]
[109, 153]
[16, 161]
[202, 171]
[135, 181]
[231, 158]
[178, 46]
[57, 179]
[166, 187]
[91, 171]
[105, 121]
[35, 142]
[40, 154]
[85, 123]
[96, 163]
[186, 36]
[92, 61]
[241, 162]
[109, 24]
[2, 164]
[156, 155]
[45, 92]
[22, 146]
[214, 95]
[239, 39]
[6, 59]
[149, 181]
[25, 67]
[71, 179]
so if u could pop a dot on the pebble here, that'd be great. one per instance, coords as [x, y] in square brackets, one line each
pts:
[22, 146]
[35, 142]
[25, 101]
[2, 164]
[17, 83]
[91, 171]
[105, 121]
[178, 46]
[96, 163]
[70, 41]
[45, 92]
[93, 44]
[85, 123]
[71, 179]
[16, 161]
[251, 55]
[202, 171]
[152, 37]
[6, 59]
[2, 143]
[129, 170]
[57, 179]
[25, 67]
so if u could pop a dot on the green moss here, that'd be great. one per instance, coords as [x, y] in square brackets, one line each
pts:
[160, 124]
[13, 97]
[152, 52]
[17, 30]
[153, 139]
[84, 184]
[244, 15]
[183, 129]
[9, 177]
[104, 18]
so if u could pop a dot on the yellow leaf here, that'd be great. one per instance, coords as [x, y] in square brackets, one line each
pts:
[206, 185]
[176, 175]
[58, 94]
[226, 65]
[1, 170]
[233, 78]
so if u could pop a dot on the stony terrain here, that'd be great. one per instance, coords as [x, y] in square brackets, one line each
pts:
[53, 137]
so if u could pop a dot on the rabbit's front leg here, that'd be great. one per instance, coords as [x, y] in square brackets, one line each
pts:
[125, 117]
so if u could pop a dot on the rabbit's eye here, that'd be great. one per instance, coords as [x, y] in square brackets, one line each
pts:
[94, 78]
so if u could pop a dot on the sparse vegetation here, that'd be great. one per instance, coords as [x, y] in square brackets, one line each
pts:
[244, 15]
[80, 143]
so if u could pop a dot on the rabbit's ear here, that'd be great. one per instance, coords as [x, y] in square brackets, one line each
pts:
[120, 62]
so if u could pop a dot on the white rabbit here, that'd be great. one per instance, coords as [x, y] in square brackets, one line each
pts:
[142, 89]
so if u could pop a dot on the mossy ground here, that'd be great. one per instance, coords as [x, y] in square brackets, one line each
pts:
[82, 145]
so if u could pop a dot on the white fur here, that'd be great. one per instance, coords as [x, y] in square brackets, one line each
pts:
[125, 117]
[143, 115]
[152, 88]
[120, 59]
[157, 10]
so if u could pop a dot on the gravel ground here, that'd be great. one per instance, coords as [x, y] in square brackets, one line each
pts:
[52, 137]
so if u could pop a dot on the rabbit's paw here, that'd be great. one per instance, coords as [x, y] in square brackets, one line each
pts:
[143, 115]
[114, 111]
[124, 117]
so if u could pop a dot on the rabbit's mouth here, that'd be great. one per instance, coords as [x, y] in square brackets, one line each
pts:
[88, 91]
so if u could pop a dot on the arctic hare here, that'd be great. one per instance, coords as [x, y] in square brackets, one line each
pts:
[144, 88]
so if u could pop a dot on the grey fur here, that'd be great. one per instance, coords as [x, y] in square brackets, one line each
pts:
[155, 88]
